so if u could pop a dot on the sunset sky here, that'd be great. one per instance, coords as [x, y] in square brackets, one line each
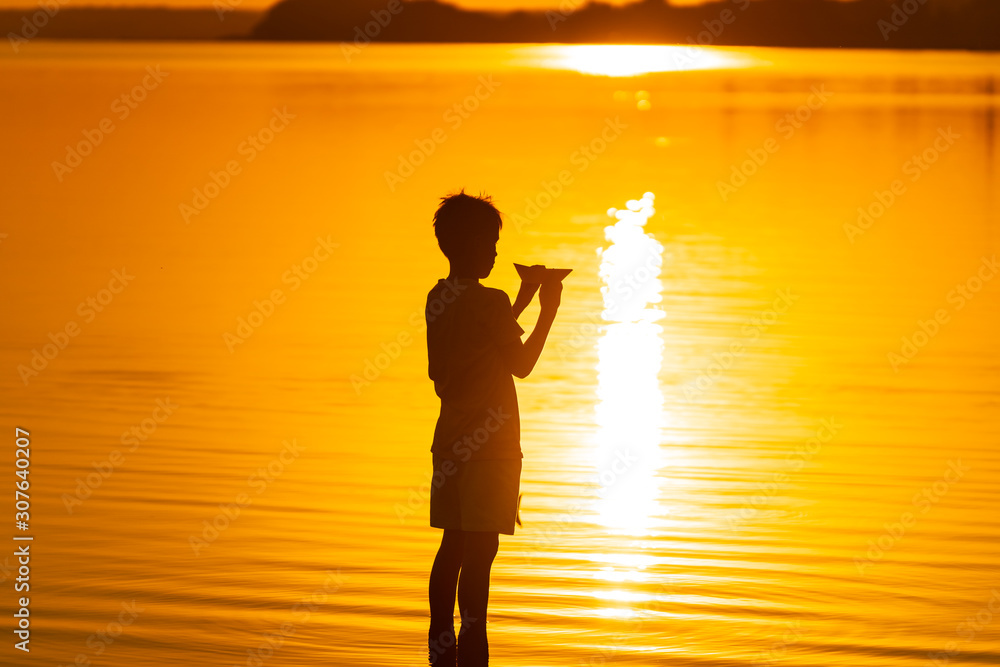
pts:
[263, 4]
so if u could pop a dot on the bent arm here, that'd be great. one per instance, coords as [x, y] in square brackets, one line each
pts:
[523, 298]
[521, 357]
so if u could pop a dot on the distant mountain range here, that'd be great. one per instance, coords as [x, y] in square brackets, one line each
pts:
[906, 24]
[939, 24]
[132, 23]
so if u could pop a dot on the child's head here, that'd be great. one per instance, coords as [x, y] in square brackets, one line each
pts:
[467, 230]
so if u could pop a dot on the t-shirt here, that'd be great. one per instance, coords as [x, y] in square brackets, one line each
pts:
[467, 324]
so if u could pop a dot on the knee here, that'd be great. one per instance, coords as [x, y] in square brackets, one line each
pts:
[453, 537]
[452, 544]
[483, 545]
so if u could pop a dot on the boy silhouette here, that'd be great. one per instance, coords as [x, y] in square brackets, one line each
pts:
[474, 348]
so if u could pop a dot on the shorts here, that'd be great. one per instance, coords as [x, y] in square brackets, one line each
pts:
[476, 495]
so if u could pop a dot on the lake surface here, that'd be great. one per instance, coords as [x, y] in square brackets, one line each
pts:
[774, 443]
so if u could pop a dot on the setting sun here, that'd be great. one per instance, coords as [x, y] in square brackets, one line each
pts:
[622, 60]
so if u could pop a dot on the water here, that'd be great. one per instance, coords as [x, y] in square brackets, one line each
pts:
[735, 478]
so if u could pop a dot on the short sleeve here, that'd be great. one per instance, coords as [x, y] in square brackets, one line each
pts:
[503, 328]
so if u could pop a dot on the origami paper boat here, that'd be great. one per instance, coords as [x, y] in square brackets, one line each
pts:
[541, 274]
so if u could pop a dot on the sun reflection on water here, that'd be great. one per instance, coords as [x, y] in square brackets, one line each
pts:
[635, 59]
[630, 404]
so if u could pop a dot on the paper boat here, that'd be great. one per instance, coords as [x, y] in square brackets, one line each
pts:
[541, 274]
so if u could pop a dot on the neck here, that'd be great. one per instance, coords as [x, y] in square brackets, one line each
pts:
[458, 272]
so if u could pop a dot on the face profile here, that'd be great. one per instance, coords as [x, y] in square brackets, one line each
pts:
[485, 253]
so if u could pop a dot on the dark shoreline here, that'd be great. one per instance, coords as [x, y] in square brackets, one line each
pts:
[863, 24]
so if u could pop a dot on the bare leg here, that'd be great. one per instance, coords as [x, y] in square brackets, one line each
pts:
[473, 597]
[443, 580]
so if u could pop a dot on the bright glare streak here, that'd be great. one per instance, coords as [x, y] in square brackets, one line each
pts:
[618, 576]
[620, 596]
[633, 59]
[630, 407]
[630, 268]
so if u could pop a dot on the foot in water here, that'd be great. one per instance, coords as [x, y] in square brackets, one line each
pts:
[441, 649]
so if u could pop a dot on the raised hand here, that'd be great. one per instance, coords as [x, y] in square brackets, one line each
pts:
[550, 295]
[525, 294]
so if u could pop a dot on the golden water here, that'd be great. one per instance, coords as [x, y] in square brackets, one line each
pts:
[713, 475]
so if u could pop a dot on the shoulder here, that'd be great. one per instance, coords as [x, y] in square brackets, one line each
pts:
[495, 295]
[443, 290]
[447, 293]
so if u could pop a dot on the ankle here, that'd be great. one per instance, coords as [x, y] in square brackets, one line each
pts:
[441, 647]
